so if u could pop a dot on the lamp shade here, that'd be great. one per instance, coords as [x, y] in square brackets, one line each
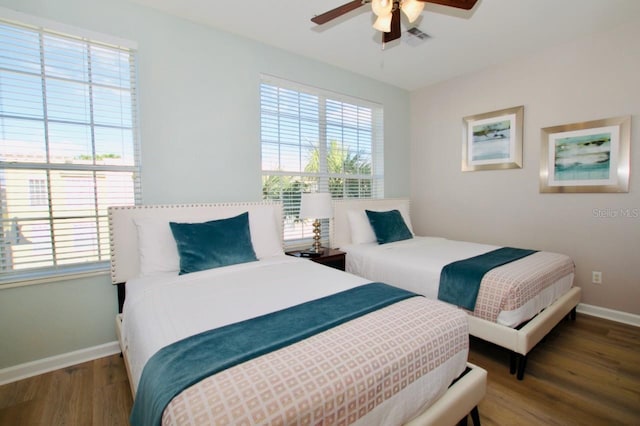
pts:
[316, 205]
[412, 9]
[382, 7]
[383, 23]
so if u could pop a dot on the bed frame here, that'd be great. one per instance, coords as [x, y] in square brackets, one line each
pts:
[519, 341]
[460, 400]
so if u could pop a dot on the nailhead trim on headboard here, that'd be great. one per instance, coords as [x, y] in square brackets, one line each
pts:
[117, 210]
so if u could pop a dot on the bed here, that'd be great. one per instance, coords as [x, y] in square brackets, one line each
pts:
[517, 303]
[341, 372]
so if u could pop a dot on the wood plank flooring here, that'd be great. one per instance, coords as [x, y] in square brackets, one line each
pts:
[585, 372]
[93, 393]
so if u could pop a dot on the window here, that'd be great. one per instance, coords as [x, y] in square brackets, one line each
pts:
[68, 149]
[314, 140]
[37, 192]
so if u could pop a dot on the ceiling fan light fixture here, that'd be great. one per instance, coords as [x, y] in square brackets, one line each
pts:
[412, 9]
[381, 7]
[388, 15]
[383, 23]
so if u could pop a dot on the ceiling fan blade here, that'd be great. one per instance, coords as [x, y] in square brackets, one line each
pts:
[458, 4]
[395, 32]
[338, 11]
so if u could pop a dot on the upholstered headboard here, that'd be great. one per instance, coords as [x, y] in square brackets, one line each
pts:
[125, 254]
[340, 230]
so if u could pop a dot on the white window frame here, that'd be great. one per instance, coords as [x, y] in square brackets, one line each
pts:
[14, 230]
[297, 233]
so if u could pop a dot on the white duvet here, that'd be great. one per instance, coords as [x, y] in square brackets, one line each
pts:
[163, 309]
[181, 306]
[415, 265]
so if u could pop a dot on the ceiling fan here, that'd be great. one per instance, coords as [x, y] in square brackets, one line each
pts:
[388, 13]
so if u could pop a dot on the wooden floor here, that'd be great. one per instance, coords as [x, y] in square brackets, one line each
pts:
[584, 373]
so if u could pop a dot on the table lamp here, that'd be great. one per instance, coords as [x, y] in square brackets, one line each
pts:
[316, 206]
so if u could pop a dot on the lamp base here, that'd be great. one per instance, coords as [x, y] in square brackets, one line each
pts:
[316, 247]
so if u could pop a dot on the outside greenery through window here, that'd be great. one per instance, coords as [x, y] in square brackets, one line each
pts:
[313, 140]
[67, 149]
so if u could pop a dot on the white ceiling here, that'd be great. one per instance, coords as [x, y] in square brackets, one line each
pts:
[493, 31]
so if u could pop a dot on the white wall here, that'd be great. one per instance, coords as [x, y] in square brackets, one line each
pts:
[592, 78]
[199, 100]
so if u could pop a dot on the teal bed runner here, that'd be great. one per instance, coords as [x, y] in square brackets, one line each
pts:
[184, 363]
[460, 281]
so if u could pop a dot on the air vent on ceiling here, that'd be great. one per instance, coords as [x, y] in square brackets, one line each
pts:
[415, 36]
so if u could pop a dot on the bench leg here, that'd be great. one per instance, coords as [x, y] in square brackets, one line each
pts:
[522, 363]
[517, 364]
[475, 417]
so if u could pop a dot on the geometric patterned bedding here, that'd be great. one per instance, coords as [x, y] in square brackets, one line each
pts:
[338, 376]
[510, 286]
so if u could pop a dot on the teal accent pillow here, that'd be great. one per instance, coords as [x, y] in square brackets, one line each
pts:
[213, 244]
[388, 226]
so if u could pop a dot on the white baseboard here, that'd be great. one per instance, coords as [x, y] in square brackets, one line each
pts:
[610, 314]
[30, 369]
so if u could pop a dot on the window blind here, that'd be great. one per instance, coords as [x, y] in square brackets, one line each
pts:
[69, 149]
[317, 141]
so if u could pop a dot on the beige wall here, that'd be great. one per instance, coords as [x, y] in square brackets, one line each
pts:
[592, 78]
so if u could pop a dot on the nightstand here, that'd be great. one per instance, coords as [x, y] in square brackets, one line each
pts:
[330, 257]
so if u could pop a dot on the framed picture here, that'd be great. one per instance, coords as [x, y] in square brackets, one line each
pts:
[586, 157]
[493, 140]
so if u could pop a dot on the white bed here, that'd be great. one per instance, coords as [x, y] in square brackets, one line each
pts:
[518, 303]
[162, 307]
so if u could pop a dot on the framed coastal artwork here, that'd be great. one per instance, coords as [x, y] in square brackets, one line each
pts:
[493, 140]
[592, 156]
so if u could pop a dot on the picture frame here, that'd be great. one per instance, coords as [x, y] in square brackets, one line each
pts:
[493, 140]
[592, 156]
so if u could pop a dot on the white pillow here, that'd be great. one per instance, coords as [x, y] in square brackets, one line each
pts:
[360, 227]
[265, 232]
[361, 230]
[157, 249]
[158, 252]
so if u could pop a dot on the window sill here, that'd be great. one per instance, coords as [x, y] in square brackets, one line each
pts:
[66, 276]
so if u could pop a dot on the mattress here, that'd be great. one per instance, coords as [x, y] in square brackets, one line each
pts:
[166, 308]
[509, 295]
